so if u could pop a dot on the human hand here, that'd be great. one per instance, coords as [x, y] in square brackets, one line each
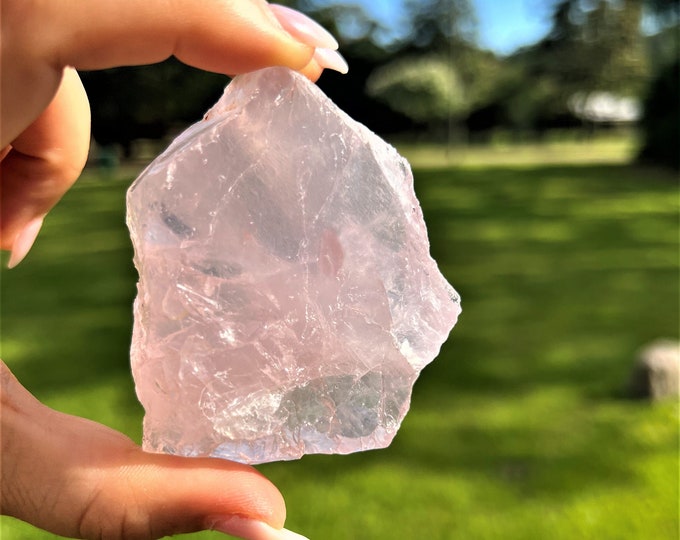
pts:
[66, 474]
[80, 479]
[44, 112]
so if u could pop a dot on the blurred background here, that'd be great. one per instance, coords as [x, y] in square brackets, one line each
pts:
[544, 140]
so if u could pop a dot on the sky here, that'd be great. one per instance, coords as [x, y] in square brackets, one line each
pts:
[504, 25]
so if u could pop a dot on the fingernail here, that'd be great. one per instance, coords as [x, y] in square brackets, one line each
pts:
[327, 58]
[303, 28]
[250, 529]
[24, 241]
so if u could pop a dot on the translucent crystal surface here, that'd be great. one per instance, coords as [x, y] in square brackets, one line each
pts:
[287, 300]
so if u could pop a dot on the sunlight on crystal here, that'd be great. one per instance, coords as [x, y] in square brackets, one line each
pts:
[287, 300]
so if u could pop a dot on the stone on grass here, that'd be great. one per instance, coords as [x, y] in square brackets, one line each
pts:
[656, 373]
[287, 300]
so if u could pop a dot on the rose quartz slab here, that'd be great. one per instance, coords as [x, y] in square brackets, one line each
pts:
[287, 300]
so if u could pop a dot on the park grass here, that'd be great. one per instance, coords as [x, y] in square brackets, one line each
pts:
[519, 430]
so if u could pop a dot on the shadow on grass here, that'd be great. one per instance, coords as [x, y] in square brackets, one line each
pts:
[527, 459]
[564, 271]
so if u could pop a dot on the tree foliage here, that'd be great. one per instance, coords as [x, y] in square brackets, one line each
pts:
[440, 25]
[668, 11]
[661, 120]
[436, 73]
[597, 46]
[426, 89]
[593, 47]
[660, 125]
[147, 101]
[431, 71]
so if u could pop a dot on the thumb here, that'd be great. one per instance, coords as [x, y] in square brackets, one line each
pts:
[80, 479]
[141, 495]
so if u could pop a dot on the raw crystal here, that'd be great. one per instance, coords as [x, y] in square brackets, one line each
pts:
[287, 300]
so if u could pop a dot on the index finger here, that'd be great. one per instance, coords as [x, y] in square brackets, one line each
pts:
[41, 38]
[224, 36]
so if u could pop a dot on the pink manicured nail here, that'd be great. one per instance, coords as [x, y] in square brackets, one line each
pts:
[303, 28]
[327, 58]
[24, 241]
[251, 529]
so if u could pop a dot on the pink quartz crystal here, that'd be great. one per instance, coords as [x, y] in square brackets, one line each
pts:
[287, 300]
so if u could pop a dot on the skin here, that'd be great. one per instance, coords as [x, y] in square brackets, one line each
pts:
[65, 474]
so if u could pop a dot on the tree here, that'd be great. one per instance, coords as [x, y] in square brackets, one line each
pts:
[426, 89]
[436, 72]
[440, 25]
[593, 47]
[666, 11]
[660, 125]
[661, 120]
[596, 46]
[147, 101]
[364, 49]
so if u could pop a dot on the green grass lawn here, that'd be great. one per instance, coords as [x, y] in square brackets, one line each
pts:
[519, 430]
